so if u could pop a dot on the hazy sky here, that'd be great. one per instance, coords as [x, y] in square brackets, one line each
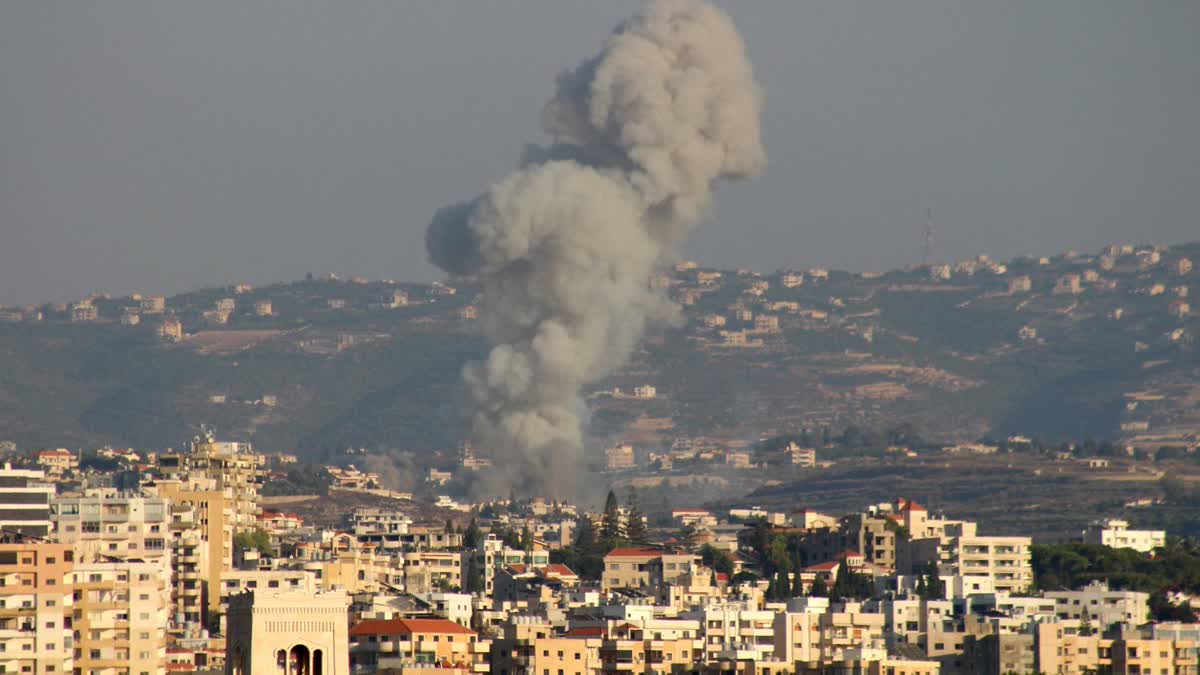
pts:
[160, 145]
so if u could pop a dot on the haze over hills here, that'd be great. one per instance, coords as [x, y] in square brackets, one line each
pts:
[1071, 346]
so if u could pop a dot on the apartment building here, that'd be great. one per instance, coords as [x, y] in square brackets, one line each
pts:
[529, 645]
[1115, 533]
[737, 626]
[427, 571]
[231, 466]
[202, 516]
[1101, 605]
[645, 567]
[120, 616]
[958, 550]
[385, 644]
[106, 522]
[1063, 647]
[492, 554]
[36, 602]
[814, 631]
[24, 502]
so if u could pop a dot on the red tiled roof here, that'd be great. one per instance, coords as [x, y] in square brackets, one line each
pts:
[585, 632]
[910, 505]
[408, 627]
[823, 567]
[560, 570]
[634, 553]
[721, 576]
[518, 568]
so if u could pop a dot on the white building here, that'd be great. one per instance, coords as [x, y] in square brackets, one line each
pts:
[1102, 606]
[1115, 533]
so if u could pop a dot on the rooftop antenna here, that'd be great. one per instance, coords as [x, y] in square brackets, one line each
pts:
[928, 243]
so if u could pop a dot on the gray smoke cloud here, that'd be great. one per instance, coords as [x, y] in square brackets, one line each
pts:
[564, 248]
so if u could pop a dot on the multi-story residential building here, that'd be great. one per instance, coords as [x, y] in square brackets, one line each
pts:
[1115, 533]
[998, 654]
[1103, 607]
[36, 601]
[24, 502]
[170, 330]
[57, 462]
[911, 621]
[107, 523]
[232, 466]
[814, 631]
[202, 517]
[120, 616]
[288, 632]
[876, 538]
[620, 457]
[491, 554]
[1064, 647]
[729, 626]
[645, 567]
[428, 571]
[387, 644]
[957, 549]
[153, 304]
[530, 645]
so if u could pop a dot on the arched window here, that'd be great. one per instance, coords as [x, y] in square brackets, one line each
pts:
[318, 662]
[298, 661]
[281, 660]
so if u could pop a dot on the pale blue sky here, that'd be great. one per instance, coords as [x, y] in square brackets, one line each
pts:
[164, 145]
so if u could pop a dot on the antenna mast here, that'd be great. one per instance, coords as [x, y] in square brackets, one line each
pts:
[928, 243]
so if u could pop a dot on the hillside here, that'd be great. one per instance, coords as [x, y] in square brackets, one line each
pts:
[1069, 346]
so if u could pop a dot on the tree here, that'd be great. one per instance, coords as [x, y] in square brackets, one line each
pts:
[585, 536]
[635, 521]
[743, 577]
[450, 526]
[783, 586]
[819, 588]
[472, 535]
[610, 524]
[526, 539]
[1085, 625]
[798, 583]
[474, 580]
[258, 540]
[715, 558]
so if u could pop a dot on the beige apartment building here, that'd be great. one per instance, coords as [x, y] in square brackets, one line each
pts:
[428, 571]
[529, 644]
[1060, 648]
[233, 467]
[36, 602]
[959, 550]
[645, 567]
[120, 617]
[107, 522]
[384, 644]
[202, 537]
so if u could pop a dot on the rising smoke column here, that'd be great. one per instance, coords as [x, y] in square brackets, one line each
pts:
[564, 248]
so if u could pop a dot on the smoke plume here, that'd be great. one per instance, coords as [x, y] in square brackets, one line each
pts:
[564, 248]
